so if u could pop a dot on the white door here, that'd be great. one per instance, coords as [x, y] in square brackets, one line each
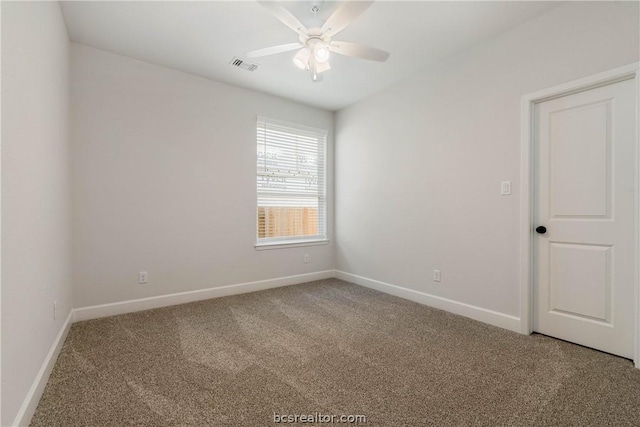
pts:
[585, 197]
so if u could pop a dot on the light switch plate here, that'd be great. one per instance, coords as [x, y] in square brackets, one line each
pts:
[505, 188]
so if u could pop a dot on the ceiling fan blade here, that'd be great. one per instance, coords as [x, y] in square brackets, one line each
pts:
[347, 12]
[285, 16]
[273, 50]
[358, 51]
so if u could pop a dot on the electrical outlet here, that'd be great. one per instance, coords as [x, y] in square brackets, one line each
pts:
[143, 277]
[55, 309]
[306, 258]
[436, 275]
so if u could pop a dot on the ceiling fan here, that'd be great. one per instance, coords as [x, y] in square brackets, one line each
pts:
[315, 43]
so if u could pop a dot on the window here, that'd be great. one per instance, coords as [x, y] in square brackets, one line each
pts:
[291, 182]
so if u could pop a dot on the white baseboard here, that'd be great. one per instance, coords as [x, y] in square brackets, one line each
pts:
[30, 403]
[113, 309]
[494, 318]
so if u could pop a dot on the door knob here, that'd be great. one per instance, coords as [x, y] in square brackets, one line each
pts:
[541, 229]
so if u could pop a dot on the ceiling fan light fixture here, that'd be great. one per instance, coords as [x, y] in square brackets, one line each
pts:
[301, 59]
[321, 53]
[321, 67]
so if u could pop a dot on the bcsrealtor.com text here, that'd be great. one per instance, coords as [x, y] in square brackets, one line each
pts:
[318, 418]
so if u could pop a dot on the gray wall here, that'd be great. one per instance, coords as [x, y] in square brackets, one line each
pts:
[164, 181]
[36, 209]
[418, 166]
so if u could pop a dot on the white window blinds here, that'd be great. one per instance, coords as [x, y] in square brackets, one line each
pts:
[291, 181]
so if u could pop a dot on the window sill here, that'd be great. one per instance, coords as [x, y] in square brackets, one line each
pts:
[284, 245]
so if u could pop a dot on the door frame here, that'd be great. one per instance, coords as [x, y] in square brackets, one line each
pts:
[527, 181]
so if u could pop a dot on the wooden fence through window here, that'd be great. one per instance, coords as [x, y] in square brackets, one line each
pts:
[287, 221]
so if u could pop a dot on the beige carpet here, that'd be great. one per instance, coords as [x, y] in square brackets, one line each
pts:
[329, 347]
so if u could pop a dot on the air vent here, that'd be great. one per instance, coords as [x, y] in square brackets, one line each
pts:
[237, 62]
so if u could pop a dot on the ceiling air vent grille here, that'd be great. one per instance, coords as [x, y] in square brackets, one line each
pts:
[237, 62]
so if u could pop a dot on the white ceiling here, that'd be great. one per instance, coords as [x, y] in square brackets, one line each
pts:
[202, 37]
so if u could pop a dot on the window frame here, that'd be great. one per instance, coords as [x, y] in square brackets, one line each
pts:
[322, 237]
